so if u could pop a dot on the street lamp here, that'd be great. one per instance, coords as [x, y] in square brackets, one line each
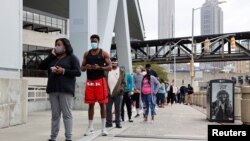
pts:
[192, 54]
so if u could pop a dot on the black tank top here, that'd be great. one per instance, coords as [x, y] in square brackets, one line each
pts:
[92, 60]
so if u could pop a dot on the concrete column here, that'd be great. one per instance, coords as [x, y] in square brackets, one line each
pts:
[237, 103]
[13, 102]
[122, 36]
[195, 98]
[106, 21]
[83, 23]
[204, 104]
[11, 15]
[245, 104]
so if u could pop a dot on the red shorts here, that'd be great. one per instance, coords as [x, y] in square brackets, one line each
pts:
[96, 90]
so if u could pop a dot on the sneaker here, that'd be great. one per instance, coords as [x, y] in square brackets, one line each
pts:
[104, 132]
[130, 120]
[118, 126]
[137, 115]
[89, 132]
[109, 125]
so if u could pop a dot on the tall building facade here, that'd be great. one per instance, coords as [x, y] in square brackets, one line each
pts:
[211, 18]
[211, 23]
[166, 19]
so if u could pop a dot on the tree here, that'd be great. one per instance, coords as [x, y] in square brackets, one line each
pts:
[161, 71]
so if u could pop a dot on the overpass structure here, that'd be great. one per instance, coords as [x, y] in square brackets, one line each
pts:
[163, 51]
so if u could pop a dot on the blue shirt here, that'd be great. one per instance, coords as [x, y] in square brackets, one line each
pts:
[129, 82]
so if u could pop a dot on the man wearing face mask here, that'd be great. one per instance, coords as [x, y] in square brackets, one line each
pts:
[96, 61]
[116, 83]
[63, 68]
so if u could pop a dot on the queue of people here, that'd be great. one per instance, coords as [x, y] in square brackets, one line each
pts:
[107, 83]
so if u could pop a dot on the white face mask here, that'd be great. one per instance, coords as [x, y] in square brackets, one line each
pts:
[94, 45]
[59, 50]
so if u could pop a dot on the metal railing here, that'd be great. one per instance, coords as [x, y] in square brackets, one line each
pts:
[37, 93]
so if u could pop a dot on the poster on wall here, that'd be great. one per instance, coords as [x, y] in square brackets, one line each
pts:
[222, 102]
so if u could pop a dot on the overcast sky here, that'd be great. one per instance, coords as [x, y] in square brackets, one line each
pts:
[236, 16]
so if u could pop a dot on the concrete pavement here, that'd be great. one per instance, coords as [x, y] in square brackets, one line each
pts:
[178, 122]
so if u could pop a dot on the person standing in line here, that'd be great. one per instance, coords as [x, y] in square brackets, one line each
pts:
[137, 78]
[151, 71]
[161, 94]
[116, 83]
[183, 91]
[96, 61]
[171, 95]
[190, 94]
[63, 68]
[149, 89]
[127, 97]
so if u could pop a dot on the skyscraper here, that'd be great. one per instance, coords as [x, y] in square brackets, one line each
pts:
[211, 23]
[166, 19]
[211, 18]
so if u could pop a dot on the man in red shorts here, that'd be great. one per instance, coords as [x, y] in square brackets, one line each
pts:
[96, 61]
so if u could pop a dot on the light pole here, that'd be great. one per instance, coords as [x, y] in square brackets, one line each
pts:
[192, 54]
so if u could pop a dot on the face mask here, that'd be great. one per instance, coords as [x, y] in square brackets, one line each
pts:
[114, 64]
[59, 50]
[94, 45]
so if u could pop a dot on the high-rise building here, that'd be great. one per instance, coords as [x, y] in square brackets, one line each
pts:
[211, 23]
[166, 22]
[211, 18]
[166, 19]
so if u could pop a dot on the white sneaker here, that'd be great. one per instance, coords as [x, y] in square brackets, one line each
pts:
[89, 132]
[104, 132]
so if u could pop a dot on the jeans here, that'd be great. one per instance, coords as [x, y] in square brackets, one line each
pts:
[148, 103]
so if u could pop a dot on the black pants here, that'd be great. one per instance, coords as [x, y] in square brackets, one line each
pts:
[171, 98]
[136, 97]
[127, 101]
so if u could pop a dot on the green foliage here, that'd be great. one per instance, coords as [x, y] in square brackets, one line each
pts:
[161, 71]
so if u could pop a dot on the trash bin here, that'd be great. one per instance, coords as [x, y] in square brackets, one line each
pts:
[220, 100]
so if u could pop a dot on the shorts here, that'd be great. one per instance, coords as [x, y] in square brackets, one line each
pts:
[96, 91]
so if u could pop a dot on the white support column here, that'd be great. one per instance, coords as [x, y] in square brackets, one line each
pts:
[83, 23]
[11, 15]
[106, 21]
[122, 36]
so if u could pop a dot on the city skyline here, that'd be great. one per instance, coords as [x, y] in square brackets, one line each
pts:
[183, 12]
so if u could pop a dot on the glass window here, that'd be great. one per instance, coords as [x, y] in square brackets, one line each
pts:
[48, 21]
[59, 22]
[36, 18]
[54, 21]
[42, 18]
[29, 16]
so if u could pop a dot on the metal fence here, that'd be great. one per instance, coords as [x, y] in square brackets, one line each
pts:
[37, 93]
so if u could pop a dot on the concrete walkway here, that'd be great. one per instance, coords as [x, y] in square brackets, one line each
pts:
[177, 123]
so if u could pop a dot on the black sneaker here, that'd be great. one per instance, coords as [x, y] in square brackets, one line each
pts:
[130, 120]
[118, 126]
[109, 125]
[137, 115]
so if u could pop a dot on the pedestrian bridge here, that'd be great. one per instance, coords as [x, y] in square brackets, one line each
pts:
[217, 48]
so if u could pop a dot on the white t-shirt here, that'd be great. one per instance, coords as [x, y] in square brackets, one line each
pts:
[113, 77]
